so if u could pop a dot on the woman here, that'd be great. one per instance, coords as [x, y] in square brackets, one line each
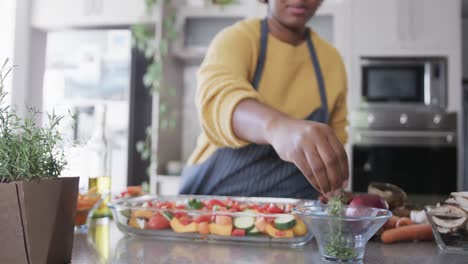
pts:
[272, 103]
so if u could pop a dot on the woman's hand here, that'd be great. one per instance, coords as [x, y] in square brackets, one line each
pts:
[314, 148]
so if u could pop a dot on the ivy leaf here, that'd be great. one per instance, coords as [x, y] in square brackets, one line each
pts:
[172, 123]
[150, 4]
[171, 34]
[163, 109]
[172, 92]
[163, 47]
[164, 123]
[140, 146]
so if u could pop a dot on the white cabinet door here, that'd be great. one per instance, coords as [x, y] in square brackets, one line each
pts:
[431, 25]
[57, 14]
[403, 26]
[376, 25]
[124, 12]
[53, 14]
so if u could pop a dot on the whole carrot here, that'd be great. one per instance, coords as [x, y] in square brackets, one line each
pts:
[407, 233]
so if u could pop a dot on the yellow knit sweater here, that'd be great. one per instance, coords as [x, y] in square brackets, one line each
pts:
[288, 83]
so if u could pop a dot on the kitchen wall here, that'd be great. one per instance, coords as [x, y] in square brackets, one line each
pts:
[465, 46]
[7, 10]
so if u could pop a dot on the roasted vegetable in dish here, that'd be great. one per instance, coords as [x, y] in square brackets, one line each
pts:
[215, 217]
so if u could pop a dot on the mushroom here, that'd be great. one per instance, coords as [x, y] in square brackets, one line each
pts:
[448, 218]
[444, 230]
[449, 210]
[462, 200]
[451, 201]
[451, 223]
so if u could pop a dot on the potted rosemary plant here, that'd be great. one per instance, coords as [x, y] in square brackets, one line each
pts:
[37, 207]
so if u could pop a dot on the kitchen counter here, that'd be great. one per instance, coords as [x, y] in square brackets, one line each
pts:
[104, 243]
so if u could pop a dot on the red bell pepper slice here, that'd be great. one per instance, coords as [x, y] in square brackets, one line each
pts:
[273, 209]
[203, 218]
[214, 202]
[185, 220]
[238, 232]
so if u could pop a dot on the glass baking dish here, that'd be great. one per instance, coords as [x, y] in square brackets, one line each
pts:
[455, 242]
[218, 219]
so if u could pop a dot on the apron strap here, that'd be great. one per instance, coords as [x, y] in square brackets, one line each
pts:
[318, 74]
[262, 55]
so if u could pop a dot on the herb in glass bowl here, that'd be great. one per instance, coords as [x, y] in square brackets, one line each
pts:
[337, 246]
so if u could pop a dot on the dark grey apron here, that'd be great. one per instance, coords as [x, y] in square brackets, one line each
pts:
[255, 170]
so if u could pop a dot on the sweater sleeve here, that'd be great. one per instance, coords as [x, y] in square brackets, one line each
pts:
[223, 82]
[338, 118]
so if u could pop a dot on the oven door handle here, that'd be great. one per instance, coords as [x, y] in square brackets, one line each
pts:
[404, 138]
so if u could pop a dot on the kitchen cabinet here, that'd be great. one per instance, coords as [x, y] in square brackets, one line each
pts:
[404, 26]
[198, 25]
[59, 14]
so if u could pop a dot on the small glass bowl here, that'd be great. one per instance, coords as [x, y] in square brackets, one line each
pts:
[343, 238]
[87, 203]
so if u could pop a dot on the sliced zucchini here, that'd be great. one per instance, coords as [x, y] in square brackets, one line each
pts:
[250, 211]
[285, 221]
[244, 222]
[253, 232]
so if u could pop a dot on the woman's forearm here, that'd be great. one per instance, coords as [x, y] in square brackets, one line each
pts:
[312, 146]
[252, 121]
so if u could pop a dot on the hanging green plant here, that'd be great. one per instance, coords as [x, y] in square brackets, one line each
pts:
[155, 49]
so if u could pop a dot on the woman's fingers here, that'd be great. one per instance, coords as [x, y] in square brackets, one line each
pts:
[302, 164]
[342, 157]
[332, 165]
[318, 168]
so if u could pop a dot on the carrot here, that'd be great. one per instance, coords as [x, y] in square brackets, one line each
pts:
[407, 233]
[404, 221]
[391, 223]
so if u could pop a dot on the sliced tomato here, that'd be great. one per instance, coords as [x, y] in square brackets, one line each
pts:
[255, 207]
[264, 208]
[166, 205]
[157, 221]
[280, 233]
[235, 208]
[185, 220]
[238, 232]
[203, 218]
[180, 206]
[214, 202]
[179, 215]
[207, 204]
[274, 209]
[270, 219]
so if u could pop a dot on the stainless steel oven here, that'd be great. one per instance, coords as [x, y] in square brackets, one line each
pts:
[414, 150]
[415, 82]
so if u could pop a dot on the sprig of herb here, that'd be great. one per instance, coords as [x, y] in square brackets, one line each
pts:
[27, 150]
[337, 246]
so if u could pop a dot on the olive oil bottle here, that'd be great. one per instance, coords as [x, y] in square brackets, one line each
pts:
[100, 164]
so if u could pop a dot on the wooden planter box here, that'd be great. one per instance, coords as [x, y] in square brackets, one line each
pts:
[37, 220]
